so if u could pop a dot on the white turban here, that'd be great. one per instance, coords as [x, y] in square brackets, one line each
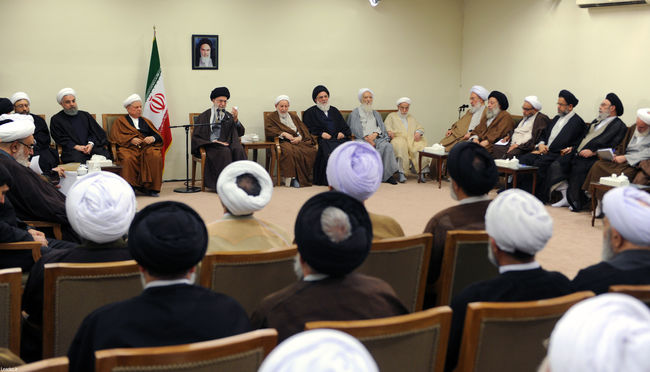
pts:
[628, 211]
[18, 96]
[402, 100]
[281, 97]
[643, 114]
[320, 350]
[20, 126]
[130, 99]
[100, 207]
[534, 101]
[517, 220]
[480, 91]
[355, 168]
[606, 333]
[64, 92]
[234, 198]
[362, 91]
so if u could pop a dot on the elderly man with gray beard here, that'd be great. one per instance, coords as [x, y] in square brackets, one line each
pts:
[462, 129]
[496, 124]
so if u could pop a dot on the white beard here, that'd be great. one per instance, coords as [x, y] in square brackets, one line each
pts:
[323, 107]
[284, 116]
[473, 109]
[205, 61]
[22, 158]
[641, 134]
[402, 116]
[367, 108]
[602, 116]
[72, 111]
[492, 113]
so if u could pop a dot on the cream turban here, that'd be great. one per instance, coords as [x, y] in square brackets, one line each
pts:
[281, 98]
[402, 100]
[18, 96]
[643, 114]
[355, 168]
[628, 211]
[100, 207]
[534, 101]
[130, 99]
[480, 91]
[517, 220]
[236, 200]
[64, 92]
[606, 333]
[320, 350]
[362, 91]
[20, 126]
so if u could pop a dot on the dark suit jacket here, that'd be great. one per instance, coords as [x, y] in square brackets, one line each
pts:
[570, 135]
[628, 267]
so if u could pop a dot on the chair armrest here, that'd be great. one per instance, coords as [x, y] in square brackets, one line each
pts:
[35, 247]
[56, 228]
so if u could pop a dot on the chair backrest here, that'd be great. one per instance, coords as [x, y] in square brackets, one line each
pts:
[640, 292]
[464, 261]
[510, 336]
[248, 276]
[10, 292]
[403, 263]
[194, 116]
[412, 342]
[242, 353]
[73, 290]
[516, 119]
[107, 123]
[59, 364]
[345, 114]
[33, 247]
[42, 116]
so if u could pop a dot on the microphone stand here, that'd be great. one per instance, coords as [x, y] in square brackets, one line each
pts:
[461, 109]
[187, 189]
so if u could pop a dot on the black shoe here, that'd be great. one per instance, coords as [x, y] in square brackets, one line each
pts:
[391, 180]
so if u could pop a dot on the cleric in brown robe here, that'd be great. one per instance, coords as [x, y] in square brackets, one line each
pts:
[139, 148]
[462, 129]
[220, 138]
[496, 124]
[526, 135]
[297, 147]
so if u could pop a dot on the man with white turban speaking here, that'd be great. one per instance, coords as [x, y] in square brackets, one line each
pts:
[526, 135]
[319, 350]
[519, 227]
[100, 207]
[606, 333]
[76, 131]
[139, 148]
[366, 125]
[462, 129]
[245, 187]
[334, 235]
[355, 169]
[297, 146]
[407, 137]
[626, 243]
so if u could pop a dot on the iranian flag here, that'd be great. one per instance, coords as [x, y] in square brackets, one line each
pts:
[155, 107]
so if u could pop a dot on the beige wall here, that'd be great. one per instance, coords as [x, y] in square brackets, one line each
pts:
[537, 47]
[102, 49]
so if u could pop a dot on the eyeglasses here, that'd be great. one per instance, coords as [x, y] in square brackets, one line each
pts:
[31, 147]
[21, 105]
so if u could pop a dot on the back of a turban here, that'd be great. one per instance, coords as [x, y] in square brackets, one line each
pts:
[234, 198]
[100, 207]
[355, 168]
[473, 168]
[168, 238]
[606, 333]
[323, 255]
[628, 211]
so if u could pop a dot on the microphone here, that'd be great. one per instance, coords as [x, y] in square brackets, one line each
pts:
[462, 107]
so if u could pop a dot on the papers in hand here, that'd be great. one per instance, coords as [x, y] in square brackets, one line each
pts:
[606, 154]
[503, 141]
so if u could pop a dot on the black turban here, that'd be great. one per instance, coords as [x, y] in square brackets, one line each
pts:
[472, 167]
[324, 256]
[614, 100]
[5, 106]
[569, 97]
[317, 90]
[220, 92]
[167, 238]
[501, 98]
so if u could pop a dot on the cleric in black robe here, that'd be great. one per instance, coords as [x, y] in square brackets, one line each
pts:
[72, 127]
[327, 124]
[519, 226]
[168, 240]
[220, 139]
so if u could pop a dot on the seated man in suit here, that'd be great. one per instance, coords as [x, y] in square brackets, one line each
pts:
[245, 187]
[523, 138]
[519, 227]
[334, 235]
[167, 240]
[355, 169]
[473, 174]
[220, 139]
[496, 123]
[626, 243]
[76, 131]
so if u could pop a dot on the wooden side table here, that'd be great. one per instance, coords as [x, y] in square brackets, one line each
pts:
[439, 159]
[270, 148]
[522, 169]
[594, 187]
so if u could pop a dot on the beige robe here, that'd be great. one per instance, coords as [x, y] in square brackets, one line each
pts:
[384, 227]
[404, 145]
[458, 130]
[245, 233]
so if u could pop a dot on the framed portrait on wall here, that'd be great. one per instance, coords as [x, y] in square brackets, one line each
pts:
[205, 52]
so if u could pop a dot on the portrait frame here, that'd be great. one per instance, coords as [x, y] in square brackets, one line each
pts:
[197, 44]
